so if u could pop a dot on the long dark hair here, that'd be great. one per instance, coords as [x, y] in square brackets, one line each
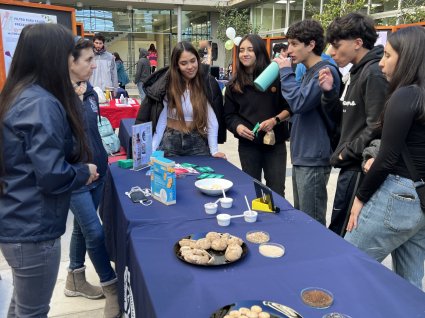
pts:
[241, 78]
[409, 43]
[117, 57]
[177, 88]
[41, 58]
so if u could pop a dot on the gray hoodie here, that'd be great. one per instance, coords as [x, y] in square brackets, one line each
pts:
[143, 66]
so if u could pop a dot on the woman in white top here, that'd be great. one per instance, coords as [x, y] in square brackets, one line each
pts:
[184, 121]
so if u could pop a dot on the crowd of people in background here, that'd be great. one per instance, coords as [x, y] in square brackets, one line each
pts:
[52, 159]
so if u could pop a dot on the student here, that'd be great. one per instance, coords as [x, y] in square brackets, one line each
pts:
[245, 106]
[88, 232]
[352, 39]
[386, 216]
[43, 147]
[310, 141]
[153, 57]
[105, 75]
[185, 106]
[142, 73]
[122, 74]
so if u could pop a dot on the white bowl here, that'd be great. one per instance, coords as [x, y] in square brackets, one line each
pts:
[210, 208]
[250, 216]
[226, 203]
[213, 186]
[223, 219]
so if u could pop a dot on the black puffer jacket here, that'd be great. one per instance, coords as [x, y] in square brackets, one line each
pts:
[156, 86]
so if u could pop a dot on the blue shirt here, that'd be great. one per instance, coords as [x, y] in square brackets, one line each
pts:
[300, 69]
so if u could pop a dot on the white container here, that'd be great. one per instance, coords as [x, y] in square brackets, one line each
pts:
[223, 219]
[250, 216]
[226, 203]
[210, 208]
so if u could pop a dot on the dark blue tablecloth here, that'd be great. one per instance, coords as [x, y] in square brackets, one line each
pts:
[140, 239]
[163, 286]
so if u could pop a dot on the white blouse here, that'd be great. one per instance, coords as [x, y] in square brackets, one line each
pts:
[212, 125]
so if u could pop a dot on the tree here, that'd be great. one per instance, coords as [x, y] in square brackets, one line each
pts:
[412, 11]
[238, 19]
[334, 9]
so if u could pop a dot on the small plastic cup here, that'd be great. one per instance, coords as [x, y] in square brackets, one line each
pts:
[210, 208]
[223, 219]
[250, 216]
[226, 203]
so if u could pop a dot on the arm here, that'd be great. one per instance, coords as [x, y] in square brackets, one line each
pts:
[212, 131]
[160, 128]
[138, 72]
[114, 75]
[42, 124]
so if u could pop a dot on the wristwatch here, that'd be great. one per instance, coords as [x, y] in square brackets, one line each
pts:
[277, 120]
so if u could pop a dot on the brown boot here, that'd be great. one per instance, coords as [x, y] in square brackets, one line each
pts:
[112, 308]
[76, 285]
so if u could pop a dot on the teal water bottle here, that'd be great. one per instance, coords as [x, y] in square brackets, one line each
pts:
[267, 77]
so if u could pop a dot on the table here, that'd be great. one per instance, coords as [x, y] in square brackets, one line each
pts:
[116, 113]
[140, 239]
[125, 135]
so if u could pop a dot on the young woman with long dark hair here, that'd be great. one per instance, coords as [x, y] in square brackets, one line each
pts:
[43, 148]
[386, 217]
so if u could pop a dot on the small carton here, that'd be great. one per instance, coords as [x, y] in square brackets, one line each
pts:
[163, 180]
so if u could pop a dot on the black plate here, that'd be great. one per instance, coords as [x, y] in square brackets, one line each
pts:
[274, 309]
[219, 258]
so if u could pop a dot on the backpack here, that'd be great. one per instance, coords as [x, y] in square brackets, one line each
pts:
[110, 140]
[332, 118]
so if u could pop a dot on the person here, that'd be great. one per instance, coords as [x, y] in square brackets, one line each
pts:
[310, 140]
[43, 149]
[88, 232]
[229, 72]
[242, 111]
[280, 48]
[386, 216]
[300, 69]
[121, 73]
[105, 75]
[142, 72]
[352, 39]
[185, 106]
[153, 57]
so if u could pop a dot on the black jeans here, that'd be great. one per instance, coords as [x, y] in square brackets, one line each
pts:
[256, 158]
[345, 190]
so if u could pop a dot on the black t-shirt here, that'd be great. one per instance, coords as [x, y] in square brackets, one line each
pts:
[400, 128]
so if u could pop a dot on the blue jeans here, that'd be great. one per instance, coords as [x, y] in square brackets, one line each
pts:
[35, 270]
[309, 187]
[177, 143]
[88, 233]
[141, 91]
[392, 222]
[257, 158]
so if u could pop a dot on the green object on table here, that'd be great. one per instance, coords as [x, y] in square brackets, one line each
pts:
[255, 129]
[125, 163]
[204, 169]
[188, 165]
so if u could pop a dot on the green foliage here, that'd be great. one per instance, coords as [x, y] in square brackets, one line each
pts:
[232, 17]
[412, 11]
[334, 9]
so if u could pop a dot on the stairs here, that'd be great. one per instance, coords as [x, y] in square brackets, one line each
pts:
[132, 91]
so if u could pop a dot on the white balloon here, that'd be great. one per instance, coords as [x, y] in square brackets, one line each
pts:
[237, 40]
[231, 33]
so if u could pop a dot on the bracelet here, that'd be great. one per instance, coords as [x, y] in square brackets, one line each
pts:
[278, 121]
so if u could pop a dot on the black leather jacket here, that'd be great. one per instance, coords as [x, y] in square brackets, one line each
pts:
[37, 146]
[156, 86]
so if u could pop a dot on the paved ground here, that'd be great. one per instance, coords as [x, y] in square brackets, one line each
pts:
[78, 307]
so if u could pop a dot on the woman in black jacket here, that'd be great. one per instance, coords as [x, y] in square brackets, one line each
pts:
[184, 104]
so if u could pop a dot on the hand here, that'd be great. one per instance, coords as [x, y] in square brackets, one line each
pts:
[326, 79]
[354, 215]
[283, 61]
[93, 173]
[268, 124]
[219, 155]
[244, 132]
[368, 164]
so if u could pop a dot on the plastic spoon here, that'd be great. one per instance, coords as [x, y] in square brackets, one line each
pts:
[247, 204]
[224, 193]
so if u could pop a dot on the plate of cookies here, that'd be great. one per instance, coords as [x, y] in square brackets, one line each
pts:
[210, 249]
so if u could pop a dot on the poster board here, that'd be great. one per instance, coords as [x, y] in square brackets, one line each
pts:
[28, 13]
